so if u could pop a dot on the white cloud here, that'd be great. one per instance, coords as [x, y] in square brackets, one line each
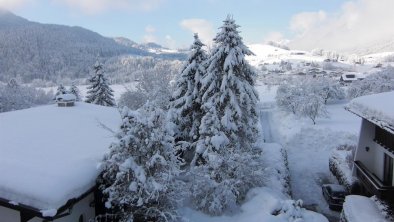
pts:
[359, 23]
[201, 26]
[150, 34]
[170, 42]
[13, 4]
[99, 6]
[274, 36]
[149, 38]
[150, 29]
[305, 21]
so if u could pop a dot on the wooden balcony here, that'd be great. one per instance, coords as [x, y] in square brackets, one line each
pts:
[372, 183]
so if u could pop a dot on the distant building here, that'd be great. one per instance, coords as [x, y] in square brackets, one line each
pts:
[374, 156]
[64, 100]
[348, 78]
[49, 162]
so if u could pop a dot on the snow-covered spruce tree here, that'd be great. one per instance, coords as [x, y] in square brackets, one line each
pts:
[75, 91]
[99, 92]
[139, 172]
[226, 162]
[185, 103]
[60, 90]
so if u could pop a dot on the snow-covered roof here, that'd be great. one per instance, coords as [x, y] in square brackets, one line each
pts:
[66, 97]
[349, 76]
[376, 108]
[50, 155]
[359, 208]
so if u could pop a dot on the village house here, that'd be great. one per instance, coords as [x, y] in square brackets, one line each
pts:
[373, 158]
[49, 161]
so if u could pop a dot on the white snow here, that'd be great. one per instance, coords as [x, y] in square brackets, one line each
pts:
[260, 206]
[359, 208]
[309, 146]
[377, 108]
[270, 54]
[66, 97]
[50, 154]
[49, 213]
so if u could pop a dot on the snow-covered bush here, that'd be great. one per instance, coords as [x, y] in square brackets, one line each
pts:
[341, 164]
[291, 209]
[276, 170]
[221, 184]
[14, 97]
[139, 172]
[384, 208]
[382, 81]
[99, 91]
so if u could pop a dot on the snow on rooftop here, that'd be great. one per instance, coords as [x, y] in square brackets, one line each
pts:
[360, 208]
[377, 108]
[50, 155]
[66, 97]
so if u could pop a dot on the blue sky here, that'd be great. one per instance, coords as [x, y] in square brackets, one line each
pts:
[171, 22]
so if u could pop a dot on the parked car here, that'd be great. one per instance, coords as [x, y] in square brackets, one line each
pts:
[335, 195]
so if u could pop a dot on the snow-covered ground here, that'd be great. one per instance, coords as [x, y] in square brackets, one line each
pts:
[261, 205]
[309, 146]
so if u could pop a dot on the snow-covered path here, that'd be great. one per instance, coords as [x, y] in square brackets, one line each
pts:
[266, 122]
[308, 152]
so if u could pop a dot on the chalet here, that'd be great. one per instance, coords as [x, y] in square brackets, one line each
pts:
[65, 100]
[374, 156]
[50, 160]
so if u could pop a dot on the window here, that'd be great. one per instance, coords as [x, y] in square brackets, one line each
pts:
[388, 170]
[384, 138]
[81, 218]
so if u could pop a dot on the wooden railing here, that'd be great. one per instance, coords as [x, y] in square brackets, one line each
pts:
[105, 218]
[372, 183]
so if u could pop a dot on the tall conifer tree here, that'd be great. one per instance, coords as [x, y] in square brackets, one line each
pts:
[226, 161]
[99, 91]
[186, 100]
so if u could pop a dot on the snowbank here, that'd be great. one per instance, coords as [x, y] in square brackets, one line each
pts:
[377, 108]
[50, 154]
[276, 170]
[341, 163]
[263, 204]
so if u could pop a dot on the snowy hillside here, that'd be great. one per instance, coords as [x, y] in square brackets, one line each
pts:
[153, 48]
[271, 54]
[53, 52]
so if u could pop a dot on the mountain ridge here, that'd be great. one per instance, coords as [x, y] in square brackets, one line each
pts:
[32, 50]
